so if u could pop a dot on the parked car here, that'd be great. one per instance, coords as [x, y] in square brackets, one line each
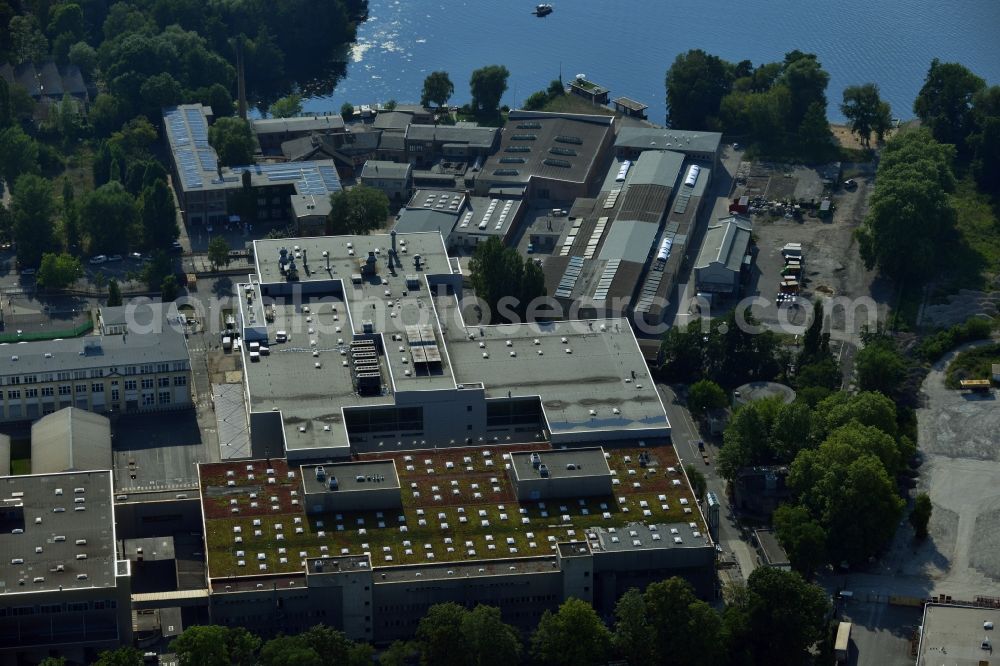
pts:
[28, 271]
[135, 256]
[99, 259]
[176, 247]
[114, 258]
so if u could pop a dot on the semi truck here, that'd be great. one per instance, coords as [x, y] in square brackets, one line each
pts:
[842, 646]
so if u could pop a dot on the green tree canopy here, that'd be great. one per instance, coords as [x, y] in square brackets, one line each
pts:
[451, 635]
[866, 112]
[488, 84]
[438, 89]
[114, 293]
[360, 210]
[704, 395]
[806, 81]
[506, 284]
[920, 515]
[347, 111]
[58, 271]
[573, 636]
[158, 214]
[944, 103]
[288, 651]
[803, 539]
[910, 213]
[18, 154]
[879, 366]
[233, 139]
[108, 215]
[696, 83]
[123, 656]
[440, 636]
[776, 620]
[764, 432]
[218, 252]
[32, 208]
[686, 630]
[288, 106]
[631, 638]
[212, 645]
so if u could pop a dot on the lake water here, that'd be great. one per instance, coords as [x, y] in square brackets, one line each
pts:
[627, 45]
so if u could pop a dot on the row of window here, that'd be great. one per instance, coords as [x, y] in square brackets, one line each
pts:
[66, 389]
[95, 373]
[52, 609]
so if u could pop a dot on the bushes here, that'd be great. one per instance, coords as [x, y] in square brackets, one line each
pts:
[975, 328]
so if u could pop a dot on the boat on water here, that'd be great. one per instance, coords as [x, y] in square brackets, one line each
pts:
[543, 10]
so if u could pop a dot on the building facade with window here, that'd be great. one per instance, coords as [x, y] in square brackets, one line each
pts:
[132, 372]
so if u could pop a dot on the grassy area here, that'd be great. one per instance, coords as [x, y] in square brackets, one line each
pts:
[467, 511]
[574, 104]
[20, 456]
[973, 364]
[976, 259]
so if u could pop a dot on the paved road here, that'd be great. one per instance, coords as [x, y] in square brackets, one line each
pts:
[685, 435]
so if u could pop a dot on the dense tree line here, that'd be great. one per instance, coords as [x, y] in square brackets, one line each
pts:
[775, 619]
[507, 284]
[779, 106]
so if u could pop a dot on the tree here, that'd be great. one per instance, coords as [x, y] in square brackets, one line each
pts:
[440, 636]
[347, 111]
[159, 91]
[488, 84]
[867, 408]
[6, 105]
[491, 642]
[212, 645]
[778, 618]
[218, 252]
[698, 483]
[288, 651]
[920, 515]
[696, 83]
[18, 154]
[105, 114]
[233, 139]
[944, 103]
[66, 19]
[53, 661]
[503, 281]
[108, 215]
[400, 653]
[286, 107]
[705, 395]
[218, 97]
[683, 352]
[32, 208]
[169, 289]
[28, 44]
[632, 629]
[359, 210]
[685, 630]
[438, 89]
[336, 648]
[910, 213]
[83, 56]
[815, 140]
[752, 438]
[114, 293]
[536, 101]
[806, 82]
[572, 636]
[158, 214]
[803, 539]
[880, 367]
[58, 271]
[123, 656]
[866, 113]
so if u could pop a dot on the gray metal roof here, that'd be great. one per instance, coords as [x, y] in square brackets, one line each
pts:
[584, 462]
[70, 518]
[298, 124]
[348, 475]
[384, 169]
[651, 138]
[416, 220]
[392, 121]
[94, 351]
[629, 240]
[726, 243]
[636, 536]
[69, 440]
[657, 167]
[478, 137]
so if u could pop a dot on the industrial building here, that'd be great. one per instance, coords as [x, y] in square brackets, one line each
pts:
[296, 192]
[699, 146]
[724, 255]
[271, 133]
[70, 440]
[955, 635]
[395, 180]
[453, 529]
[145, 369]
[62, 585]
[463, 220]
[367, 349]
[559, 156]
